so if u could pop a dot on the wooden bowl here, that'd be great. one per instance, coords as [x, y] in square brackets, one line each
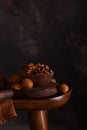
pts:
[37, 92]
[42, 104]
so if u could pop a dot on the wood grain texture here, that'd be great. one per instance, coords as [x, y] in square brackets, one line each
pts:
[38, 120]
[42, 104]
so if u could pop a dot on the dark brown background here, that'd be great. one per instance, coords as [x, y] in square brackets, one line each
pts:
[49, 32]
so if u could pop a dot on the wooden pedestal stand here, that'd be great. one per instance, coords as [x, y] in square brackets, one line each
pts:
[38, 109]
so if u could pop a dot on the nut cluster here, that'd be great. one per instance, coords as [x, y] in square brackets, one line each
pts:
[17, 82]
[37, 69]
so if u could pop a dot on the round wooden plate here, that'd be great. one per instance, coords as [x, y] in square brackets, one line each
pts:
[42, 103]
[38, 92]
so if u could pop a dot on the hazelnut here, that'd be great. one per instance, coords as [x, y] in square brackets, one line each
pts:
[63, 88]
[16, 86]
[53, 80]
[27, 83]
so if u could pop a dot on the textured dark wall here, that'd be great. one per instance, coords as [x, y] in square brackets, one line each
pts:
[37, 31]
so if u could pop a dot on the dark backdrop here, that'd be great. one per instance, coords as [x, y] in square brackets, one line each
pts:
[37, 31]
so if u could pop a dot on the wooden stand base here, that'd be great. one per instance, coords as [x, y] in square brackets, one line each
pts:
[38, 109]
[38, 120]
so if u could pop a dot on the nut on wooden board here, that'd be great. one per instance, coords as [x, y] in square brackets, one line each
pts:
[63, 88]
